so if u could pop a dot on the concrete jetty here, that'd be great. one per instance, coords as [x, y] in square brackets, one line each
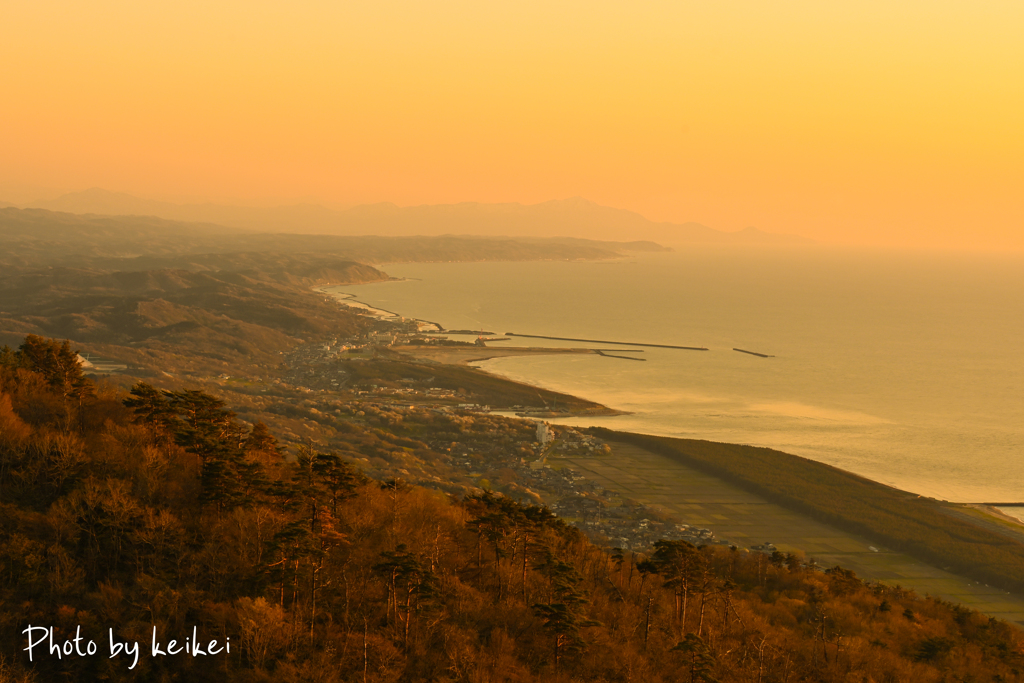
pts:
[754, 353]
[611, 355]
[605, 341]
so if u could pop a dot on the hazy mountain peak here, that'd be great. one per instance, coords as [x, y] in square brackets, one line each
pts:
[100, 193]
[754, 235]
[105, 202]
[576, 217]
[571, 201]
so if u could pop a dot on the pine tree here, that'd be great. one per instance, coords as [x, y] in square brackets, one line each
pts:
[151, 407]
[261, 440]
[563, 612]
[58, 363]
[410, 585]
[702, 661]
[677, 562]
[335, 475]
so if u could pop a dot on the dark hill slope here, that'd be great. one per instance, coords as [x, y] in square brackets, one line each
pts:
[183, 319]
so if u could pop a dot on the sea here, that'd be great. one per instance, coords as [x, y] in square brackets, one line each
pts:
[903, 367]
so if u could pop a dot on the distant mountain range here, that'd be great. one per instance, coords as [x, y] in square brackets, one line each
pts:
[33, 238]
[574, 217]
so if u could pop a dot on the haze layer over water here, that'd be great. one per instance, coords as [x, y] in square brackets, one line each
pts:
[904, 368]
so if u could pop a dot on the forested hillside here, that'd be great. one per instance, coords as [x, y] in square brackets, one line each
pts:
[162, 509]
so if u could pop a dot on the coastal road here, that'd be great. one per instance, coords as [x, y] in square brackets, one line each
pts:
[745, 519]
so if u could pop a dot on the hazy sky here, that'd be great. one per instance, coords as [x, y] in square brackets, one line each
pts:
[867, 121]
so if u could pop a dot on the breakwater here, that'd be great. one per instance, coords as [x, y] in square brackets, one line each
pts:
[605, 341]
[610, 355]
[754, 353]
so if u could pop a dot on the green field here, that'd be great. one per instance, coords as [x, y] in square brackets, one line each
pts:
[745, 519]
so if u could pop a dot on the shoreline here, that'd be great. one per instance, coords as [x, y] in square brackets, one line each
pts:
[351, 301]
[473, 355]
[494, 367]
[465, 356]
[639, 429]
[939, 569]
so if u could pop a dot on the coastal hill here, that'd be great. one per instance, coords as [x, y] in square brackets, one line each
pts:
[165, 297]
[574, 217]
[33, 237]
[177, 320]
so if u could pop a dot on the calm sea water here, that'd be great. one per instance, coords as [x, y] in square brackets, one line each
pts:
[905, 368]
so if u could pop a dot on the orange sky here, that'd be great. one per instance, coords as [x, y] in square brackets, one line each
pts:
[868, 122]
